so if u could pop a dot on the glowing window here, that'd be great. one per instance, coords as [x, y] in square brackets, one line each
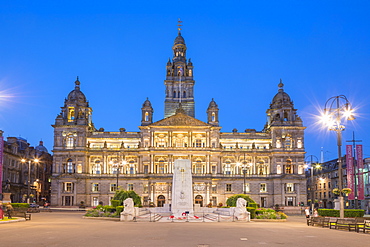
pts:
[289, 187]
[146, 116]
[69, 166]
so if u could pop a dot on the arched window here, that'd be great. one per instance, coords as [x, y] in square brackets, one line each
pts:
[174, 94]
[261, 167]
[278, 144]
[184, 94]
[146, 116]
[132, 169]
[289, 167]
[97, 167]
[285, 116]
[70, 166]
[299, 144]
[71, 114]
[161, 169]
[178, 93]
[70, 141]
[213, 116]
[227, 168]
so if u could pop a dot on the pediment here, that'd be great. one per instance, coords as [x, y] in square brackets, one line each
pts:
[179, 119]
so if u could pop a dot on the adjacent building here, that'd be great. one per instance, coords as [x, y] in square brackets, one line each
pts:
[89, 164]
[27, 177]
[325, 179]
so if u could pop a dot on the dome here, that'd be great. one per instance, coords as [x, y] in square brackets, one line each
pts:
[147, 103]
[281, 97]
[212, 104]
[76, 95]
[41, 147]
[179, 40]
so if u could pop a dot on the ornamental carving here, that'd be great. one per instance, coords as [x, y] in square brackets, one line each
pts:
[180, 119]
[199, 187]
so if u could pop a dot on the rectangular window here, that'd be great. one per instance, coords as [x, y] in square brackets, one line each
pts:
[68, 187]
[146, 189]
[113, 187]
[324, 185]
[214, 201]
[95, 187]
[214, 188]
[213, 169]
[146, 171]
[130, 186]
[263, 187]
[289, 187]
[228, 187]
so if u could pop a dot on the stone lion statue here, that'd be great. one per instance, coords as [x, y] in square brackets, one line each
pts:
[128, 206]
[241, 203]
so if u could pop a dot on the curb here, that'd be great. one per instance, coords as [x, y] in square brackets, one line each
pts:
[13, 221]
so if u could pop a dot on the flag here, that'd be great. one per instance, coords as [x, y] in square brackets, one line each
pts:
[350, 172]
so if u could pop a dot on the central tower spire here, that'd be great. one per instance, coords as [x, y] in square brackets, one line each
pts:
[179, 79]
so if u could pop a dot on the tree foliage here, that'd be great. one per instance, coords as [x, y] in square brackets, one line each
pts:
[231, 201]
[122, 195]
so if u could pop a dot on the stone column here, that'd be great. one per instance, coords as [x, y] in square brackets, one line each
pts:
[151, 163]
[282, 194]
[207, 193]
[208, 164]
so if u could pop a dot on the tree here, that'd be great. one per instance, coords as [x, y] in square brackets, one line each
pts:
[122, 195]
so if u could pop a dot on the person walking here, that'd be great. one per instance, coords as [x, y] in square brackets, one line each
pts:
[9, 209]
[307, 212]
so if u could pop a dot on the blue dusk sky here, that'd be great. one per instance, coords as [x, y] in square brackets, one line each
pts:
[240, 50]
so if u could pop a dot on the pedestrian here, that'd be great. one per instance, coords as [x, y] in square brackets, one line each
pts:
[315, 213]
[307, 212]
[9, 209]
[1, 211]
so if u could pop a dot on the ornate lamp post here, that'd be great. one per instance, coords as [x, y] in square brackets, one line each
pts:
[245, 167]
[29, 176]
[311, 165]
[117, 165]
[337, 110]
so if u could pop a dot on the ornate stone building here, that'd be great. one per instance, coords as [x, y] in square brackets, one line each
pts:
[267, 164]
[16, 174]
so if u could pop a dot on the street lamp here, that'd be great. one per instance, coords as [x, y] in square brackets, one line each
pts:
[29, 176]
[117, 165]
[311, 165]
[245, 167]
[338, 109]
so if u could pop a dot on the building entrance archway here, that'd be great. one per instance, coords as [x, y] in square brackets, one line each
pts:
[199, 200]
[161, 200]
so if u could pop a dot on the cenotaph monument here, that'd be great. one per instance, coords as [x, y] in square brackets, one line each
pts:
[182, 188]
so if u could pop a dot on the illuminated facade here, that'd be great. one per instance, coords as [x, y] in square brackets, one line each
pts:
[15, 173]
[267, 164]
